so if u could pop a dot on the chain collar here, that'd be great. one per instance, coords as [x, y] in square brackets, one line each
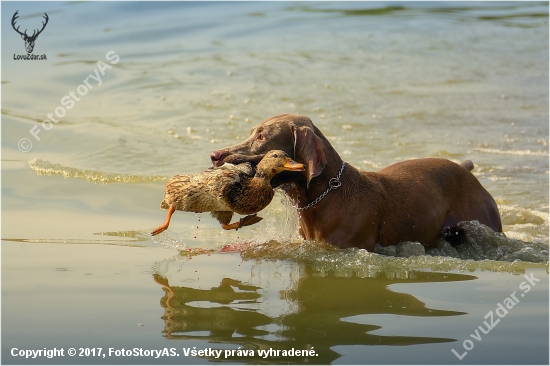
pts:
[333, 183]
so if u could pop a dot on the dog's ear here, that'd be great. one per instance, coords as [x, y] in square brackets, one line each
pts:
[308, 149]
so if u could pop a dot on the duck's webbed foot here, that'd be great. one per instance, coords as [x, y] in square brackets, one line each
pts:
[245, 221]
[159, 229]
[164, 226]
[249, 220]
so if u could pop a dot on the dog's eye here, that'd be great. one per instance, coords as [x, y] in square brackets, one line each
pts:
[260, 137]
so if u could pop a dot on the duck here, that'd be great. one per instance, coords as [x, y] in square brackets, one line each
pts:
[229, 189]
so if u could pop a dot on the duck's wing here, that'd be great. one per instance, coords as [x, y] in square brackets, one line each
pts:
[246, 168]
[194, 193]
[243, 168]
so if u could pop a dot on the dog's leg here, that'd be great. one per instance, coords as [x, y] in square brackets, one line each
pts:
[454, 235]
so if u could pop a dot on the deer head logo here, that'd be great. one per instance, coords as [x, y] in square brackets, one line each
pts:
[29, 40]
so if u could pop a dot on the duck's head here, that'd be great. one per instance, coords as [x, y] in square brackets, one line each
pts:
[277, 161]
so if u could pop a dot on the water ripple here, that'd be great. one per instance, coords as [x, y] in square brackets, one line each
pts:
[43, 167]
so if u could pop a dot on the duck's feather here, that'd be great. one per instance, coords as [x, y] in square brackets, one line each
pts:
[244, 168]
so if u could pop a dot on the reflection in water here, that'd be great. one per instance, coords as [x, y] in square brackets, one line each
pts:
[321, 304]
[220, 322]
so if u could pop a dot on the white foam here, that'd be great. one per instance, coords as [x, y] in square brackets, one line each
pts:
[512, 152]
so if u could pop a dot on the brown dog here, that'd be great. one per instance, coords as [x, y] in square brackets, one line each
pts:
[415, 200]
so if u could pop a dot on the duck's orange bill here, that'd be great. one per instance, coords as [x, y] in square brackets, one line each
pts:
[294, 166]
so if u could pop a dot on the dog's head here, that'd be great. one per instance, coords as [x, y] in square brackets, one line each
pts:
[294, 134]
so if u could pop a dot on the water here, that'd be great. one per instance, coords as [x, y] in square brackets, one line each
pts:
[385, 82]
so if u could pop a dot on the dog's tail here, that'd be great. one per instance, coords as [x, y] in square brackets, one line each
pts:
[468, 164]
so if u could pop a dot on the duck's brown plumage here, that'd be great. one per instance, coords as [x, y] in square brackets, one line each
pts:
[225, 190]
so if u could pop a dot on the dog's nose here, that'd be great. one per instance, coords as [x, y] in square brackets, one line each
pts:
[216, 157]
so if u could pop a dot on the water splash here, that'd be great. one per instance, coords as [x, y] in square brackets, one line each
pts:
[170, 241]
[482, 248]
[325, 259]
[481, 242]
[280, 221]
